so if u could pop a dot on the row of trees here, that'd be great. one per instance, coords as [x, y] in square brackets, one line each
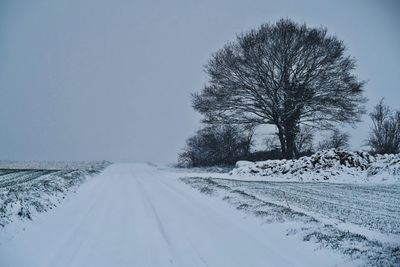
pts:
[225, 144]
[289, 75]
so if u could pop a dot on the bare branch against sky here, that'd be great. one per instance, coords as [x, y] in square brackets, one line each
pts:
[112, 80]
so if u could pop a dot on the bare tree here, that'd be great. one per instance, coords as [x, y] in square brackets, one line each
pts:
[384, 137]
[216, 145]
[304, 140]
[284, 74]
[272, 142]
[336, 139]
[248, 131]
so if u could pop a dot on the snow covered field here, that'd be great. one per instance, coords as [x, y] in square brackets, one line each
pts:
[145, 215]
[30, 187]
[361, 221]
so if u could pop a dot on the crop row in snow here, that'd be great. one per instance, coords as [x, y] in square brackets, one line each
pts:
[359, 221]
[29, 190]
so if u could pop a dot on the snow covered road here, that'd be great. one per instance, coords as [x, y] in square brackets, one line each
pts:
[138, 215]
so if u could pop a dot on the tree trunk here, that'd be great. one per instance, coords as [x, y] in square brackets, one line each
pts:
[287, 137]
[282, 141]
[290, 146]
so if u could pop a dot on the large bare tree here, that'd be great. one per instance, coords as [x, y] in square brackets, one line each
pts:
[285, 74]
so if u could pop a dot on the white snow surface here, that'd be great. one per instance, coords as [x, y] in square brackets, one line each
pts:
[53, 165]
[140, 215]
[334, 165]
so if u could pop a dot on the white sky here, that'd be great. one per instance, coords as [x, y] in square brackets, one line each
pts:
[111, 80]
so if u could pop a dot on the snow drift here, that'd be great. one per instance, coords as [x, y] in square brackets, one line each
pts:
[332, 165]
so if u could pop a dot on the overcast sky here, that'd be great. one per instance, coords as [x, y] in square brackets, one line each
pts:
[82, 80]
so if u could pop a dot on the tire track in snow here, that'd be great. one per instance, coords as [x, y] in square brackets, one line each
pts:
[160, 226]
[135, 215]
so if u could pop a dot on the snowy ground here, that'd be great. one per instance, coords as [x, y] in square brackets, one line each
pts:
[144, 215]
[361, 221]
[334, 166]
[139, 215]
[27, 188]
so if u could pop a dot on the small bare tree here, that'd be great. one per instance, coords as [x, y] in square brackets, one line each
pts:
[336, 139]
[304, 140]
[384, 137]
[272, 142]
[248, 132]
[216, 145]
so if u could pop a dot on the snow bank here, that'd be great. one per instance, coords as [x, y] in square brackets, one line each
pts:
[25, 189]
[243, 163]
[330, 165]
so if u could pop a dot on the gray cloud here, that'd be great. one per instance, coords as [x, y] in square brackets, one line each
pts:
[112, 79]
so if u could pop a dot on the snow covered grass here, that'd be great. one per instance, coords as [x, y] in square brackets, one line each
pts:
[53, 165]
[30, 187]
[360, 221]
[338, 166]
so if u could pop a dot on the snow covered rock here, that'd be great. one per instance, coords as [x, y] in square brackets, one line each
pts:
[243, 163]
